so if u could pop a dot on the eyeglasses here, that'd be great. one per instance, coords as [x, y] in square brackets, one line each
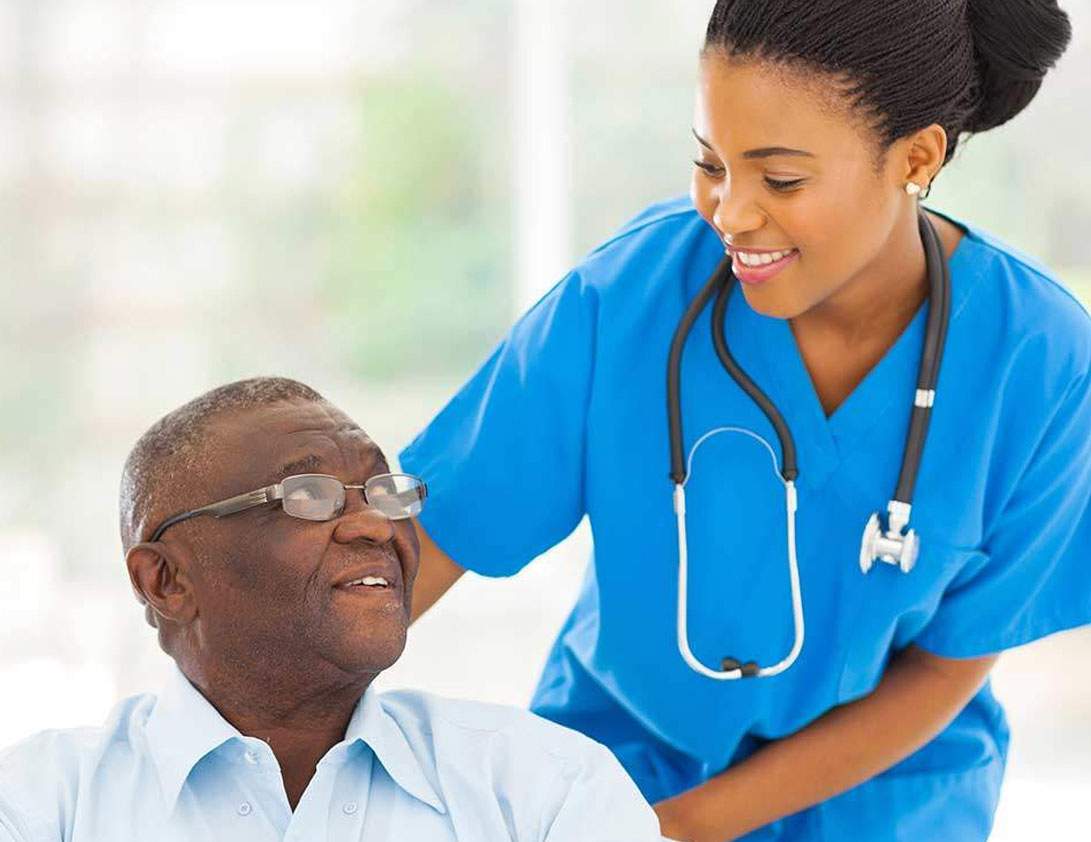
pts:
[318, 497]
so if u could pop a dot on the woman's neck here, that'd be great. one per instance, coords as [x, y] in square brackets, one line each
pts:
[842, 339]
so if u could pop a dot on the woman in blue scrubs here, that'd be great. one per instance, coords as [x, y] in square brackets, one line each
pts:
[817, 124]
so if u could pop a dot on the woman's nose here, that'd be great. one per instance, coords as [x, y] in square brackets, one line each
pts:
[735, 214]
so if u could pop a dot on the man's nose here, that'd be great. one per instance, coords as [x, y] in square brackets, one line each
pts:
[362, 522]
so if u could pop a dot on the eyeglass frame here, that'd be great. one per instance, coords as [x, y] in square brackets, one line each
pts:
[273, 493]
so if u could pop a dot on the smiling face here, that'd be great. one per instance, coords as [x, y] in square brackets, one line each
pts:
[273, 587]
[785, 165]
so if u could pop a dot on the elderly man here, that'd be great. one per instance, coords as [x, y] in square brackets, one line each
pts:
[274, 551]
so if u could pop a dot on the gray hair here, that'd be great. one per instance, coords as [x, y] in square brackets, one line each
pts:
[174, 450]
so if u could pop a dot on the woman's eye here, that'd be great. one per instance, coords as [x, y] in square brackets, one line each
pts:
[717, 172]
[709, 169]
[783, 185]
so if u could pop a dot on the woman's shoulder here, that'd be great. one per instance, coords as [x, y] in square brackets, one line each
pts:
[664, 240]
[669, 215]
[1017, 277]
[1035, 307]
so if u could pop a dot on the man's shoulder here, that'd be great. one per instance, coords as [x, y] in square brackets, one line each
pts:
[554, 783]
[506, 732]
[66, 744]
[44, 773]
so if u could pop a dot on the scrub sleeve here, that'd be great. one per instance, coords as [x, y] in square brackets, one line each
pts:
[1034, 577]
[504, 460]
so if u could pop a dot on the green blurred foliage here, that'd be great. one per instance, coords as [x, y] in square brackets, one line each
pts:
[419, 275]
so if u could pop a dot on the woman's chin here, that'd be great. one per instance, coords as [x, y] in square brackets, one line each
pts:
[769, 302]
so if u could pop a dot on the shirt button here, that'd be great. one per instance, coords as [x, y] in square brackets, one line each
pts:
[349, 808]
[245, 808]
[251, 758]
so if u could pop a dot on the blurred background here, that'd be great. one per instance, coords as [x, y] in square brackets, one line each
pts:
[364, 196]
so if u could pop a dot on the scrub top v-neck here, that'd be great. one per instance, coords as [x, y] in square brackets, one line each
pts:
[567, 418]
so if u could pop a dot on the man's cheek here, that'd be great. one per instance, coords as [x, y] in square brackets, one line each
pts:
[244, 573]
[266, 592]
[408, 550]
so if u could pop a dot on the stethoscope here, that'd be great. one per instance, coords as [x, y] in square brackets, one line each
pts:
[893, 544]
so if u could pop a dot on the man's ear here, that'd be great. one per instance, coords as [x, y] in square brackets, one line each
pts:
[161, 583]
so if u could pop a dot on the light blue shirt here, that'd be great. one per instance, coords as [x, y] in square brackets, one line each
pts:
[568, 418]
[412, 766]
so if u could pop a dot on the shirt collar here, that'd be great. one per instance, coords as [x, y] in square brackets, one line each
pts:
[183, 727]
[373, 726]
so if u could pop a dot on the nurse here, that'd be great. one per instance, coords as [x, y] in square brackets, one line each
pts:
[818, 125]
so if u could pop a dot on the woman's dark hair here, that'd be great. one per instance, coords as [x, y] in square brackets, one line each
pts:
[968, 65]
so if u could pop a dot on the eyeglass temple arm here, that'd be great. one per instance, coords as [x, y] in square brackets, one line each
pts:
[242, 502]
[230, 506]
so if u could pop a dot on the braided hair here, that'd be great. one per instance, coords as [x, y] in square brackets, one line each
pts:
[968, 65]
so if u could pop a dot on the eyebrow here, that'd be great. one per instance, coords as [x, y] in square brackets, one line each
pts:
[306, 465]
[312, 462]
[764, 152]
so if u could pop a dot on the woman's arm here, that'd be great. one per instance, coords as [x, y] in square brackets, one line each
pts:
[436, 574]
[918, 696]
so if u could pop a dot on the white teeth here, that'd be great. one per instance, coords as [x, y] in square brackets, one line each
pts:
[756, 259]
[370, 581]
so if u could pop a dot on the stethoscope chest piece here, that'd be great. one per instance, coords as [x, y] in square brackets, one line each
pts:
[888, 546]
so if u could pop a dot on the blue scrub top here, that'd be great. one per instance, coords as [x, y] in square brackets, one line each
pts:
[567, 418]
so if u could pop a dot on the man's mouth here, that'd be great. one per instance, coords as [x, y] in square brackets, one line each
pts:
[372, 574]
[367, 582]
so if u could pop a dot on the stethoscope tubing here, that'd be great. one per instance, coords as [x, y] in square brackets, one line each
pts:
[720, 284]
[935, 342]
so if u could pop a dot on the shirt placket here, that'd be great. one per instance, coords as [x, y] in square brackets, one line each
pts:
[335, 804]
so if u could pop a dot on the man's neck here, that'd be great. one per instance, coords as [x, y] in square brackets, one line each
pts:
[300, 718]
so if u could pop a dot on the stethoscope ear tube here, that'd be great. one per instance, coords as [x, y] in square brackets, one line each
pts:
[732, 669]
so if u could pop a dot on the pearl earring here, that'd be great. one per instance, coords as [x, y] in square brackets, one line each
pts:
[912, 188]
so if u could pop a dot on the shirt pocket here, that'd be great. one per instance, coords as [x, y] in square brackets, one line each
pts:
[886, 609]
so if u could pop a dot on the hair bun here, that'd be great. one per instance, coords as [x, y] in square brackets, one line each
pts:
[1016, 42]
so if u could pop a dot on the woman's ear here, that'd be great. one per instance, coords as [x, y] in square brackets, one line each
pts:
[160, 582]
[924, 155]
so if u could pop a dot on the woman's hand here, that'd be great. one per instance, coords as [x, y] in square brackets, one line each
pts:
[918, 696]
[671, 821]
[680, 819]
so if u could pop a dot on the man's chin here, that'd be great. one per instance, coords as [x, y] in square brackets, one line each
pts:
[369, 652]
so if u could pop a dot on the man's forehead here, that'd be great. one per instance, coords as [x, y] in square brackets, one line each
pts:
[290, 435]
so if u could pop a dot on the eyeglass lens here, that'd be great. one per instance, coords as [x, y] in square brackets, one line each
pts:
[395, 495]
[315, 497]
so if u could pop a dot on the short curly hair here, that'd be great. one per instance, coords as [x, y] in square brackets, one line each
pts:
[174, 449]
